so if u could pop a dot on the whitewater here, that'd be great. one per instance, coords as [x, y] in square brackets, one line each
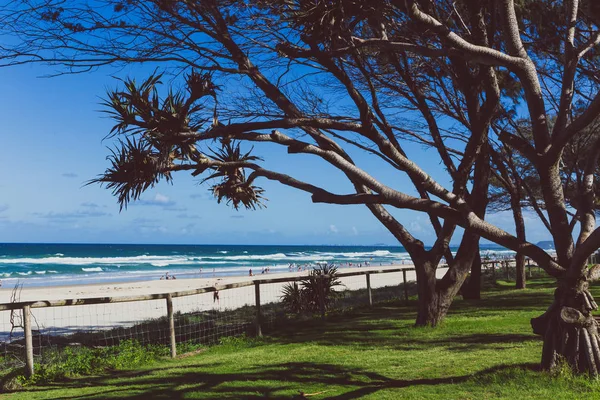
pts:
[71, 264]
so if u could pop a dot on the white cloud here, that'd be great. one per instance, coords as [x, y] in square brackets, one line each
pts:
[333, 229]
[189, 229]
[354, 230]
[161, 198]
[158, 200]
[415, 227]
[188, 216]
[89, 204]
[152, 229]
[72, 215]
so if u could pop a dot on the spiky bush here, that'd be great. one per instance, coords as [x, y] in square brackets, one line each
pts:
[306, 297]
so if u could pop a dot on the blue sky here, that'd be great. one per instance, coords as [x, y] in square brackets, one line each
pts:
[51, 138]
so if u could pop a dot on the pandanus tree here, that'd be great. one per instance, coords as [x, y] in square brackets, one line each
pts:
[435, 72]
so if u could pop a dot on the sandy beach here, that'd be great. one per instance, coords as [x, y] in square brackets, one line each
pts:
[104, 316]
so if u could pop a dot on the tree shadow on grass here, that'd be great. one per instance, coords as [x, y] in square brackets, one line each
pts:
[280, 381]
[369, 334]
[363, 327]
[378, 327]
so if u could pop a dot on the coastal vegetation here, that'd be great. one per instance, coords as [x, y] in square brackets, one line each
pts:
[314, 293]
[472, 81]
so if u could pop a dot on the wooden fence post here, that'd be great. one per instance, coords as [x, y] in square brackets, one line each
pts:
[405, 287]
[494, 271]
[368, 275]
[172, 339]
[506, 264]
[258, 313]
[28, 341]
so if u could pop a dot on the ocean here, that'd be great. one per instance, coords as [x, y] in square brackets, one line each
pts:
[74, 264]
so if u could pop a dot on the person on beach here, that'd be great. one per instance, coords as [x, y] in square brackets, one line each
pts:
[215, 296]
[250, 272]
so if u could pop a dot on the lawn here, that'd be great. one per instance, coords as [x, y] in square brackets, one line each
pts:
[484, 350]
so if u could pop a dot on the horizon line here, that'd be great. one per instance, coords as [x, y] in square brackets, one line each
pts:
[237, 244]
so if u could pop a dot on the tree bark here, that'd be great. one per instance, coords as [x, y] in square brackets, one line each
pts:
[471, 289]
[436, 296]
[521, 278]
[521, 272]
[569, 330]
[432, 305]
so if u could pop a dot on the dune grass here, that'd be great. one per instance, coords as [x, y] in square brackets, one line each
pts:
[484, 350]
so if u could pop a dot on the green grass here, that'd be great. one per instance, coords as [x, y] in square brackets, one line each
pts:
[484, 350]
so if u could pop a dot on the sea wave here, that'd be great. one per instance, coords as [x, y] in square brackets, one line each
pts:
[294, 257]
[181, 260]
[143, 259]
[363, 254]
[94, 269]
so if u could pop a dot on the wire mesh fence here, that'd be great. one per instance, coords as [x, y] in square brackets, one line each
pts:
[187, 320]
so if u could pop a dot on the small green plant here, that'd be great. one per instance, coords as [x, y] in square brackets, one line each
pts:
[317, 287]
[292, 298]
[81, 361]
[562, 369]
[240, 342]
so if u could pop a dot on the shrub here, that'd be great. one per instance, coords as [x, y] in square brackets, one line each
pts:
[316, 287]
[292, 298]
[81, 361]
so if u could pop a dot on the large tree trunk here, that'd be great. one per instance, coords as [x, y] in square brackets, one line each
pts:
[521, 272]
[520, 230]
[471, 289]
[436, 296]
[432, 305]
[570, 331]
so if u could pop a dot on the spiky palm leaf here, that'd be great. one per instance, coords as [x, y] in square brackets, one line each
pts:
[321, 280]
[292, 298]
[233, 186]
[159, 133]
[134, 168]
[138, 110]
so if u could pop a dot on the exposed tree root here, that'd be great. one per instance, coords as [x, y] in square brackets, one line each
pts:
[570, 331]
